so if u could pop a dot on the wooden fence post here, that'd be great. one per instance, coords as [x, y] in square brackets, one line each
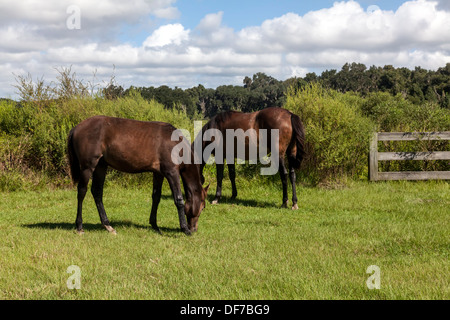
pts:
[373, 158]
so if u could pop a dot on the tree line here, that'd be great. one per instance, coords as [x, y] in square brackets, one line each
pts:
[342, 107]
[261, 90]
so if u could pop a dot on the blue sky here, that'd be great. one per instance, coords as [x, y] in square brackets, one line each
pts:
[215, 42]
[239, 14]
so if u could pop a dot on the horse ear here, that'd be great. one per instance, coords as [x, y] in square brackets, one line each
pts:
[207, 187]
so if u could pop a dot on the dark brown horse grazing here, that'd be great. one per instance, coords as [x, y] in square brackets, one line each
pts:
[132, 146]
[291, 143]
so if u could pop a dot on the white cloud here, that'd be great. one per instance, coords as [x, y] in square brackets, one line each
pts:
[54, 11]
[38, 25]
[442, 4]
[418, 33]
[347, 26]
[211, 22]
[210, 33]
[166, 35]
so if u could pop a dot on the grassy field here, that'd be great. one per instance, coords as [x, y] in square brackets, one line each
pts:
[244, 249]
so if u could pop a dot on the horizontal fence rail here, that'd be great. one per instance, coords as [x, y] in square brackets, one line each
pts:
[410, 136]
[375, 156]
[435, 155]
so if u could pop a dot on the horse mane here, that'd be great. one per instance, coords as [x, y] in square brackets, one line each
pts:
[214, 123]
[219, 118]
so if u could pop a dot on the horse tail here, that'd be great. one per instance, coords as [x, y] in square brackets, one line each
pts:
[75, 171]
[298, 137]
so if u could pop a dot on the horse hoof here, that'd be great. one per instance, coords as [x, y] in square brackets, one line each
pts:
[187, 232]
[295, 207]
[284, 205]
[156, 229]
[111, 230]
[80, 232]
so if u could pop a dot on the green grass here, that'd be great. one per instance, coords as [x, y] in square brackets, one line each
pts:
[244, 249]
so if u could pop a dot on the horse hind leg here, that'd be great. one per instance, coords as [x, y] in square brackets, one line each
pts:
[158, 180]
[98, 181]
[292, 177]
[283, 176]
[82, 189]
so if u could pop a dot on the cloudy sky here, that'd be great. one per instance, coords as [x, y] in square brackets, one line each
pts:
[215, 42]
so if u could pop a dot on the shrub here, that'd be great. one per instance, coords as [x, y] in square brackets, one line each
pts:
[35, 138]
[338, 128]
[337, 134]
[396, 114]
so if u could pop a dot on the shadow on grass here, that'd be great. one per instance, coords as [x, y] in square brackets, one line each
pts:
[236, 201]
[244, 202]
[99, 227]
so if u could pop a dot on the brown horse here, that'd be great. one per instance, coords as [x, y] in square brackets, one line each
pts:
[291, 137]
[133, 146]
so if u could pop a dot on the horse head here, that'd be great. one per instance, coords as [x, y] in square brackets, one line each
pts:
[194, 206]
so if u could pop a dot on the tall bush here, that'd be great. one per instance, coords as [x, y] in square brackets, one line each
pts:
[337, 134]
[396, 114]
[34, 139]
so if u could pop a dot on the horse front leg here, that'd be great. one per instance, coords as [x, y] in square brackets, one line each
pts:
[98, 181]
[202, 177]
[232, 175]
[174, 182]
[219, 169]
[158, 180]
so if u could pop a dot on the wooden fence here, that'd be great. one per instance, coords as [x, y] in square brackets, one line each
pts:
[376, 156]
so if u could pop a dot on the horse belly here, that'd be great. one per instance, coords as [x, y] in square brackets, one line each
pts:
[244, 145]
[131, 157]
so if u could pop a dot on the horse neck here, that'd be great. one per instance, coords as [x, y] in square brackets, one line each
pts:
[191, 180]
[210, 125]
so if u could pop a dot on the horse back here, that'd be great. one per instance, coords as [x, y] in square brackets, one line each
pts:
[274, 118]
[233, 120]
[124, 144]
